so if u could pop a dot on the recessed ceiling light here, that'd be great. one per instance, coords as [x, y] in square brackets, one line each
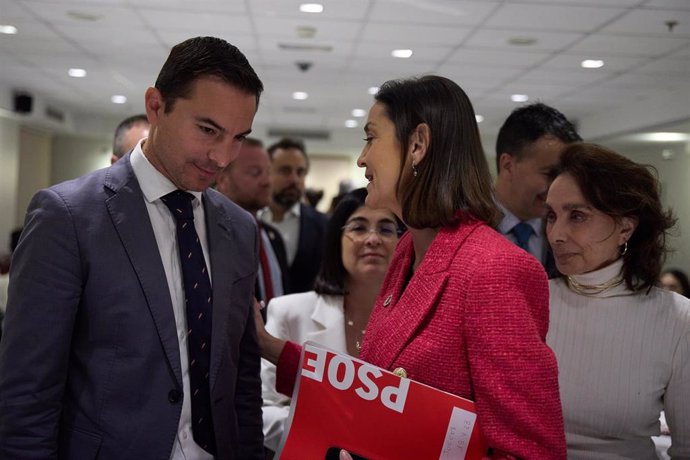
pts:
[118, 99]
[358, 112]
[403, 54]
[311, 8]
[300, 95]
[8, 29]
[664, 137]
[351, 123]
[519, 98]
[77, 73]
[373, 90]
[479, 118]
[592, 63]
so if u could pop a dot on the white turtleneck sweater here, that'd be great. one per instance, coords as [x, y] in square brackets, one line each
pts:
[623, 357]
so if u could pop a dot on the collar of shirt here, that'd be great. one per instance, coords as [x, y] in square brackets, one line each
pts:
[267, 215]
[509, 221]
[153, 184]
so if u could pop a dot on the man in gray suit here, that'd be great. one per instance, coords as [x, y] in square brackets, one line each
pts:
[98, 359]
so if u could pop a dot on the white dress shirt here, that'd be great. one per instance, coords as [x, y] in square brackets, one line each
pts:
[288, 227]
[154, 185]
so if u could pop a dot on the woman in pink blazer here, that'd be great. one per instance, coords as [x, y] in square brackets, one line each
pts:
[461, 308]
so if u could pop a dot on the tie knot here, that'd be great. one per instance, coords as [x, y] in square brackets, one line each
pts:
[180, 204]
[522, 231]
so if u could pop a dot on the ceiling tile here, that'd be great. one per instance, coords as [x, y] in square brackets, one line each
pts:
[612, 45]
[652, 22]
[498, 39]
[440, 12]
[403, 35]
[559, 18]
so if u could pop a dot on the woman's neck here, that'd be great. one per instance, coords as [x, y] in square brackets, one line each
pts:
[421, 240]
[360, 298]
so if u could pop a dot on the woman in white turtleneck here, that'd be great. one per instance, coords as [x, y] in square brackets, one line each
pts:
[623, 345]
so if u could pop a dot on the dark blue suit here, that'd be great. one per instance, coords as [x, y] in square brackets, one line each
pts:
[89, 364]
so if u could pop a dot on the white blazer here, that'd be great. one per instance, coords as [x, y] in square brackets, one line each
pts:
[298, 318]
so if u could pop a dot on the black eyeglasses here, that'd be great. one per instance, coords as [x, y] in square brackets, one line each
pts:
[360, 231]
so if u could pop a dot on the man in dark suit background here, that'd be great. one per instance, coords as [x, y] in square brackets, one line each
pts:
[302, 227]
[247, 182]
[528, 146]
[98, 358]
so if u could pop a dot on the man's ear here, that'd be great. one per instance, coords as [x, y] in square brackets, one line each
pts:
[505, 163]
[419, 142]
[154, 104]
[628, 226]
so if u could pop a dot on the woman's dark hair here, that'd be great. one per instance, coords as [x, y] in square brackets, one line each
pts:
[682, 279]
[619, 188]
[453, 175]
[200, 57]
[332, 274]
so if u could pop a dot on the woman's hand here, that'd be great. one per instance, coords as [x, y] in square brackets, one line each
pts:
[270, 346]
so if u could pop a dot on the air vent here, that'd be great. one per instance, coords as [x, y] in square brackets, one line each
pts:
[303, 47]
[307, 134]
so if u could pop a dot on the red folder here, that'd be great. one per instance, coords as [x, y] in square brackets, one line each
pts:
[341, 402]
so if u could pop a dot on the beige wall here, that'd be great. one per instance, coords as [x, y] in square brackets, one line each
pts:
[75, 156]
[673, 175]
[9, 168]
[35, 149]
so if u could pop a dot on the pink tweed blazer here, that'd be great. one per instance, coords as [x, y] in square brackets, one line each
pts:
[472, 321]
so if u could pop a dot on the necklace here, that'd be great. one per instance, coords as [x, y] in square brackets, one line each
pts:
[360, 335]
[593, 289]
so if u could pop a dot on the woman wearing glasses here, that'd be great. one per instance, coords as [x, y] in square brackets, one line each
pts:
[359, 243]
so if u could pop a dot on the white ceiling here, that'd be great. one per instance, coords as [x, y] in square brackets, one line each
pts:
[122, 45]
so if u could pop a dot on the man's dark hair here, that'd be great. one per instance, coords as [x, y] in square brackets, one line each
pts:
[125, 125]
[527, 124]
[289, 143]
[205, 57]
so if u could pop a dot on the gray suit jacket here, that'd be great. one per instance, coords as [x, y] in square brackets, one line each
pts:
[89, 364]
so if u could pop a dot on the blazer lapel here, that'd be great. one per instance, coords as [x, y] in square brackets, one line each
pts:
[220, 243]
[131, 219]
[400, 311]
[329, 323]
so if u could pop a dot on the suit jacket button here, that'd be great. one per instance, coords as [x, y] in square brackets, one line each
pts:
[174, 396]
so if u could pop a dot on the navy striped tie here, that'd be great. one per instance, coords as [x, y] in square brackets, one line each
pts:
[199, 301]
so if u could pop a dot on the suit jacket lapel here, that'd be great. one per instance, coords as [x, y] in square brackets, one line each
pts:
[400, 311]
[131, 219]
[329, 322]
[220, 238]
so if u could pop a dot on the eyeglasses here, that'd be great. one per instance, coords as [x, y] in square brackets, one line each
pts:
[360, 231]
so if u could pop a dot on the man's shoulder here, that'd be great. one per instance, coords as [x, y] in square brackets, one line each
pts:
[312, 214]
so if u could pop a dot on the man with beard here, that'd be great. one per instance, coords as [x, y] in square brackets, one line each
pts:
[247, 182]
[528, 146]
[301, 226]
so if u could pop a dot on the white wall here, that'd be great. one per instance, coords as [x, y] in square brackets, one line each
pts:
[9, 177]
